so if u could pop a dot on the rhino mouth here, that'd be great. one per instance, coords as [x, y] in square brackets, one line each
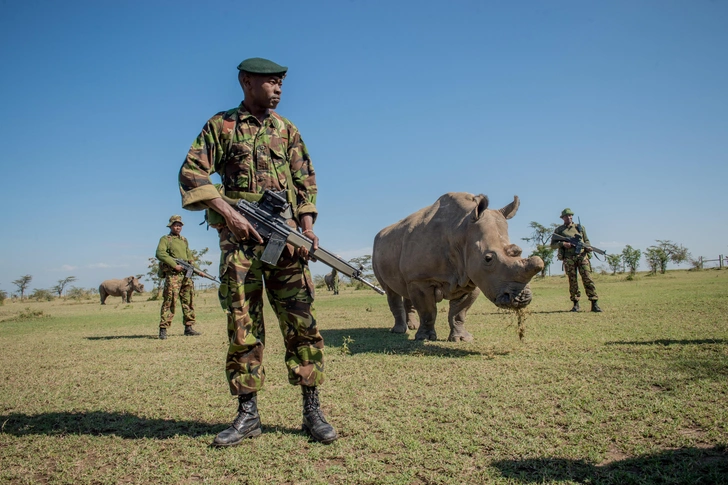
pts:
[511, 298]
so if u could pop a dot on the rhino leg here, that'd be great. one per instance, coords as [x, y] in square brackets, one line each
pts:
[426, 305]
[413, 321]
[456, 317]
[103, 295]
[396, 306]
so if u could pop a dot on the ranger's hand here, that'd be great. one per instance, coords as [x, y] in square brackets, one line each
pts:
[241, 228]
[303, 252]
[588, 250]
[178, 267]
[567, 245]
[307, 229]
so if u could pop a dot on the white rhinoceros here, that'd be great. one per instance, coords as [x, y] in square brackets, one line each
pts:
[123, 288]
[451, 250]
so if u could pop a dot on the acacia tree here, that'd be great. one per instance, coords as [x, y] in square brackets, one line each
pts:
[197, 256]
[62, 284]
[657, 259]
[631, 258]
[541, 238]
[153, 275]
[615, 262]
[658, 256]
[365, 263]
[22, 284]
[677, 253]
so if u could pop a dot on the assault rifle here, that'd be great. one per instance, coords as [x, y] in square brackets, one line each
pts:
[269, 217]
[189, 268]
[578, 243]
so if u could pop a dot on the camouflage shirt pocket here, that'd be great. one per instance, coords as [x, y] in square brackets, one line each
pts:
[237, 167]
[279, 166]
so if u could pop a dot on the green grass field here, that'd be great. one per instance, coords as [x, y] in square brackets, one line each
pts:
[636, 394]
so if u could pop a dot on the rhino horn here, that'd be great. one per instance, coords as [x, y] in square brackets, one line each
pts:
[510, 210]
[533, 266]
[482, 204]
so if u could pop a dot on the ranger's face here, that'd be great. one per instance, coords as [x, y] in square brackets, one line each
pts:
[176, 228]
[264, 91]
[567, 220]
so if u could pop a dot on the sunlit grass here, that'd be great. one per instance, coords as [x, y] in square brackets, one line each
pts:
[636, 394]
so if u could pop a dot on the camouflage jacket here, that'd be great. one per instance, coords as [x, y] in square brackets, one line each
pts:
[254, 157]
[171, 247]
[569, 231]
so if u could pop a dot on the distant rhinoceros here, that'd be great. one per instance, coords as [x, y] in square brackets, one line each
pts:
[332, 281]
[451, 250]
[123, 288]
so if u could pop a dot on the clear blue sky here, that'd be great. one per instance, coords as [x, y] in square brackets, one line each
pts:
[615, 109]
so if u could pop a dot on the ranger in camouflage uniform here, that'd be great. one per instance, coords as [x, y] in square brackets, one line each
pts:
[253, 148]
[172, 246]
[574, 262]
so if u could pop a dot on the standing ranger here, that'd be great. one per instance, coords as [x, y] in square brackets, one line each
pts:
[253, 148]
[174, 246]
[574, 261]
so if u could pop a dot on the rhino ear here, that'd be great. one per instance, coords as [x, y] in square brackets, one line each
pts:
[482, 205]
[510, 210]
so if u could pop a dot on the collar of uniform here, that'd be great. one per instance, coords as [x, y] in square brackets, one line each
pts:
[244, 114]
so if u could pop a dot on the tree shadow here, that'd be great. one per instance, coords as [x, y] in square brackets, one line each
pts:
[667, 342]
[115, 337]
[382, 341]
[681, 466]
[102, 423]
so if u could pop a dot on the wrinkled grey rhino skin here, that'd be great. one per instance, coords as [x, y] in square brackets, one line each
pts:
[123, 288]
[453, 250]
[329, 280]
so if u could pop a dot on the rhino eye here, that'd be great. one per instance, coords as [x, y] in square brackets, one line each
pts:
[489, 257]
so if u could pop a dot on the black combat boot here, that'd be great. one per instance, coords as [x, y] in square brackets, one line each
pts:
[245, 425]
[162, 333]
[314, 422]
[595, 306]
[191, 332]
[576, 307]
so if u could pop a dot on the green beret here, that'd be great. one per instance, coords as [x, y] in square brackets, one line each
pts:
[258, 65]
[567, 212]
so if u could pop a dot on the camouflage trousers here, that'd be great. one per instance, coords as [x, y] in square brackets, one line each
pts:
[581, 265]
[290, 291]
[174, 285]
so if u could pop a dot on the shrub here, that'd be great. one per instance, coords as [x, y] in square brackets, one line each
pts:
[41, 295]
[75, 293]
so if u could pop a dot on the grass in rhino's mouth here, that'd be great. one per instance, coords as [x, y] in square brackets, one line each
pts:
[521, 314]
